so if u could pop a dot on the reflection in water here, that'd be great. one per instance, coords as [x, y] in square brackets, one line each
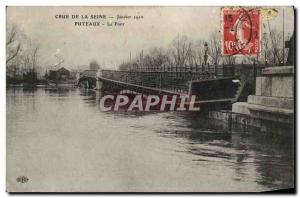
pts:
[135, 151]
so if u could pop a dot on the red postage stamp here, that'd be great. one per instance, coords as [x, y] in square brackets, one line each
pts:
[240, 31]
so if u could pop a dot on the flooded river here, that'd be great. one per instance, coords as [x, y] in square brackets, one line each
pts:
[61, 141]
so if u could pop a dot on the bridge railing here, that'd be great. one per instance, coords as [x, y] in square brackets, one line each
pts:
[178, 81]
[168, 80]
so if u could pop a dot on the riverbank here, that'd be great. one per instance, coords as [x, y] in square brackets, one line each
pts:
[41, 85]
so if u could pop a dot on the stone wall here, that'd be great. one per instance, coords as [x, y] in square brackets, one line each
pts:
[272, 104]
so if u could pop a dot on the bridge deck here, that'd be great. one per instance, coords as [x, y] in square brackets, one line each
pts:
[161, 91]
[140, 87]
[216, 101]
[168, 83]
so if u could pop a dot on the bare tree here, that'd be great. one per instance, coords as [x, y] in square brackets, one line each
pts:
[229, 60]
[276, 48]
[199, 52]
[11, 35]
[215, 47]
[156, 59]
[22, 55]
[191, 55]
[124, 66]
[13, 53]
[181, 48]
[34, 56]
[30, 54]
[12, 45]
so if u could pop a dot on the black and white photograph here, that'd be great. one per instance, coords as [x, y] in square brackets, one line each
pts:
[150, 99]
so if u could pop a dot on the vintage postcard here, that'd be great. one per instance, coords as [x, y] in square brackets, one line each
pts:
[150, 99]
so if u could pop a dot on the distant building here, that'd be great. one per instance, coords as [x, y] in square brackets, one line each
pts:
[74, 74]
[94, 65]
[59, 74]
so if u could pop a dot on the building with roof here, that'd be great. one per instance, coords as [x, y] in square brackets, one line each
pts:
[59, 74]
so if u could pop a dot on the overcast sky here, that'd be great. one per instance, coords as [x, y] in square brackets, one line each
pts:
[112, 45]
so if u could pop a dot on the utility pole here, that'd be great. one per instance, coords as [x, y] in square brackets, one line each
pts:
[283, 44]
[142, 60]
[205, 56]
[130, 65]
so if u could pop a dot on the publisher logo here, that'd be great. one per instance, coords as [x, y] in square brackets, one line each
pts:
[22, 179]
[138, 102]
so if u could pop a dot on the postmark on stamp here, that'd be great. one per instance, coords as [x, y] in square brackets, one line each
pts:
[240, 31]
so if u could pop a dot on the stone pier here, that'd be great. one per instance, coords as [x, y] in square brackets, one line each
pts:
[271, 106]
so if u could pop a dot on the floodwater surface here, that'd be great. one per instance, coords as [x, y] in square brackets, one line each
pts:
[60, 141]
